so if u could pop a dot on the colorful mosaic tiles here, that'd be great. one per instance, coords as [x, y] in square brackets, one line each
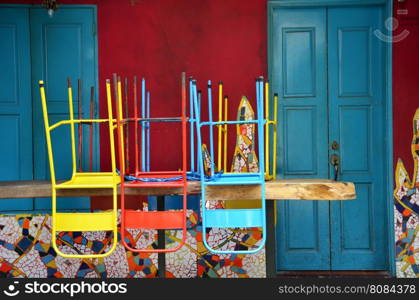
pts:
[25, 251]
[244, 159]
[406, 195]
[206, 264]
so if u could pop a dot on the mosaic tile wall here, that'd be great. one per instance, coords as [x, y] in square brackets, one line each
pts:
[194, 260]
[25, 251]
[406, 196]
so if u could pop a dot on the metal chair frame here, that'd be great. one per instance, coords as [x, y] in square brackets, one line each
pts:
[231, 218]
[80, 221]
[150, 219]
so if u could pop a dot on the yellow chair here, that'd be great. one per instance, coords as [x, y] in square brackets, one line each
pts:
[80, 221]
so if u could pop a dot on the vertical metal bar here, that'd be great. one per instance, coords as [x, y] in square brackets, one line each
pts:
[92, 115]
[225, 132]
[71, 115]
[211, 127]
[261, 164]
[136, 124]
[200, 162]
[118, 109]
[198, 95]
[191, 125]
[80, 128]
[143, 166]
[120, 113]
[267, 160]
[127, 125]
[111, 125]
[261, 123]
[257, 110]
[184, 160]
[148, 133]
[220, 118]
[48, 134]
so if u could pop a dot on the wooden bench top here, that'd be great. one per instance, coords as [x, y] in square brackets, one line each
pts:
[292, 189]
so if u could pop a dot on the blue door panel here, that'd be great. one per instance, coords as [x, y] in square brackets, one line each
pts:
[301, 149]
[356, 105]
[354, 51]
[298, 52]
[294, 230]
[15, 103]
[351, 138]
[62, 47]
[299, 64]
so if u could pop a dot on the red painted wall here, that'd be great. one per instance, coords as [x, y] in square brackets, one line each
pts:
[405, 80]
[213, 39]
[208, 39]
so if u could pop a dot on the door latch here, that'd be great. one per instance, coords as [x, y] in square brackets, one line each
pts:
[335, 161]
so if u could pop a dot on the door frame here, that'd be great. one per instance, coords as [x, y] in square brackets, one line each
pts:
[387, 6]
[96, 139]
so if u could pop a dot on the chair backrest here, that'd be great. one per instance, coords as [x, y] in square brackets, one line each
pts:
[259, 121]
[145, 119]
[71, 121]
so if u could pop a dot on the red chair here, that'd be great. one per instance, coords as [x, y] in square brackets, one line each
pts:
[133, 219]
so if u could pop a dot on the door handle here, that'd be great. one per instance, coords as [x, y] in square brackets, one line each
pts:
[335, 161]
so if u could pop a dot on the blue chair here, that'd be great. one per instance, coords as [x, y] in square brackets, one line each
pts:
[231, 218]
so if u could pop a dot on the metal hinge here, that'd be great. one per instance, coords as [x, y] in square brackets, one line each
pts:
[94, 29]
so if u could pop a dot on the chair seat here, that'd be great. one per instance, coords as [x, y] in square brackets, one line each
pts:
[155, 219]
[90, 180]
[236, 179]
[234, 218]
[96, 221]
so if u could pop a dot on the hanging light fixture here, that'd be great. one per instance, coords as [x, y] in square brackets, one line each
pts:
[51, 6]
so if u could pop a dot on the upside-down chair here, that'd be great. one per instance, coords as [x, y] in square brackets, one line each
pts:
[81, 221]
[231, 218]
[144, 178]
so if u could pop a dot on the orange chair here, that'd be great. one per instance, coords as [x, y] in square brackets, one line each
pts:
[133, 219]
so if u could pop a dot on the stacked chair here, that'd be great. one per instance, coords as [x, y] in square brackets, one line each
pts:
[133, 219]
[231, 218]
[141, 176]
[81, 221]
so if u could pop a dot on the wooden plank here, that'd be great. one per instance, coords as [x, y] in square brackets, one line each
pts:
[293, 189]
[297, 189]
[42, 189]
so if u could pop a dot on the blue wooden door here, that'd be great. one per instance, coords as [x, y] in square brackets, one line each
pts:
[327, 66]
[62, 46]
[300, 77]
[15, 102]
[356, 122]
